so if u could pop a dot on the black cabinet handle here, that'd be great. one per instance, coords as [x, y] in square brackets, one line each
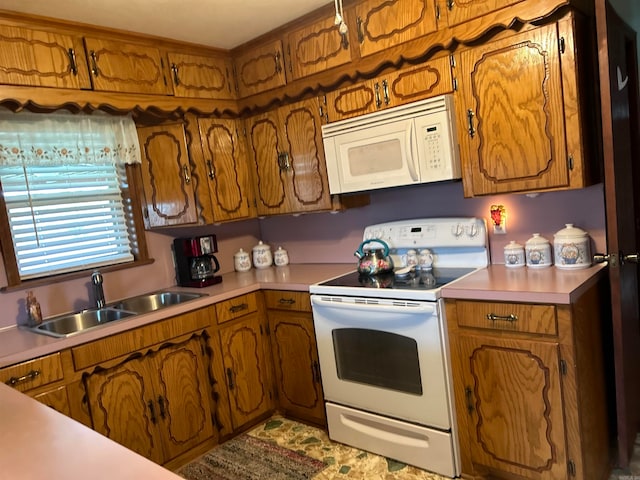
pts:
[161, 405]
[24, 378]
[72, 61]
[230, 379]
[238, 308]
[152, 411]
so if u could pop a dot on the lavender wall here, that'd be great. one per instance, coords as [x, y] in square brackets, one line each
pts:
[325, 238]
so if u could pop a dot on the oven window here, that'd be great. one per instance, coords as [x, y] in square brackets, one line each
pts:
[377, 358]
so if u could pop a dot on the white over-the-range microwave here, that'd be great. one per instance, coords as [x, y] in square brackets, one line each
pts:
[405, 145]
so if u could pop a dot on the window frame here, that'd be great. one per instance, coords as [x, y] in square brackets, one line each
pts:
[133, 200]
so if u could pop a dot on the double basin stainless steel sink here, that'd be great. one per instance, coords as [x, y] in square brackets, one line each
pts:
[73, 323]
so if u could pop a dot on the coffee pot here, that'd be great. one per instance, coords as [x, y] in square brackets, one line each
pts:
[196, 264]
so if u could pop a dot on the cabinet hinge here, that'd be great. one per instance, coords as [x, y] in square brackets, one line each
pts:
[571, 468]
[164, 77]
[570, 162]
[452, 61]
[563, 367]
[455, 84]
[437, 12]
[562, 44]
[450, 4]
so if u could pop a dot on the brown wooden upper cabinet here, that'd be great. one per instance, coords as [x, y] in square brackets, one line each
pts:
[381, 24]
[459, 12]
[316, 47]
[521, 125]
[169, 197]
[287, 156]
[259, 69]
[126, 67]
[201, 76]
[225, 189]
[396, 88]
[42, 59]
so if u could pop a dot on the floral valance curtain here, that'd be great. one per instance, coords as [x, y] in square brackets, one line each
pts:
[65, 139]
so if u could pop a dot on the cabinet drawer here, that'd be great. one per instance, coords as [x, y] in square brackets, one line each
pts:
[514, 317]
[236, 307]
[33, 373]
[286, 300]
[128, 342]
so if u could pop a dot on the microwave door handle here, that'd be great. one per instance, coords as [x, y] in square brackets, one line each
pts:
[412, 154]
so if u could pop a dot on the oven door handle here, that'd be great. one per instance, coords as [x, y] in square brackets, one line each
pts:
[428, 308]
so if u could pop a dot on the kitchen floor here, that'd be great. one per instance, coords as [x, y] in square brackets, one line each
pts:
[351, 463]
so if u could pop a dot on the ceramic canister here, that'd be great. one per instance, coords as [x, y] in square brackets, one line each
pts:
[514, 255]
[262, 257]
[242, 261]
[538, 252]
[571, 246]
[280, 257]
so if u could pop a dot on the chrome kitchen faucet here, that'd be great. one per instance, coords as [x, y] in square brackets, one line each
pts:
[98, 292]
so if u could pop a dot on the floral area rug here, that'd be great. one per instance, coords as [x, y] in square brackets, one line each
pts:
[342, 461]
[251, 458]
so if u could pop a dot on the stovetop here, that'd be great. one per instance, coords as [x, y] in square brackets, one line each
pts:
[459, 246]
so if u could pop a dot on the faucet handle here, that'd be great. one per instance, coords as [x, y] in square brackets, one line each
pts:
[96, 278]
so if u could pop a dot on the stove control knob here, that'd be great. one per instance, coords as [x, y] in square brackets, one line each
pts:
[472, 230]
[457, 230]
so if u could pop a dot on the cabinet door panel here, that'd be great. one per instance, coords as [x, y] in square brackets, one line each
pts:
[459, 11]
[307, 176]
[265, 147]
[121, 401]
[317, 47]
[260, 69]
[512, 385]
[42, 59]
[201, 77]
[382, 24]
[226, 168]
[352, 101]
[166, 176]
[511, 99]
[246, 370]
[121, 67]
[423, 81]
[296, 365]
[183, 398]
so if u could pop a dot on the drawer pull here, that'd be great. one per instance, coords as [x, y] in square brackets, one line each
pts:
[286, 301]
[238, 308]
[25, 378]
[507, 318]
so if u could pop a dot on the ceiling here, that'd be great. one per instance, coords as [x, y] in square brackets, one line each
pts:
[216, 23]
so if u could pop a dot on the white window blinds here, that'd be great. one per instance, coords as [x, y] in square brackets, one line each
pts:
[62, 187]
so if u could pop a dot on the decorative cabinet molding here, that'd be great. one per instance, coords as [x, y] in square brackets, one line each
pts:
[530, 368]
[317, 47]
[396, 88]
[381, 24]
[523, 120]
[169, 196]
[295, 356]
[224, 171]
[285, 147]
[201, 76]
[42, 59]
[157, 404]
[260, 69]
[125, 67]
[459, 12]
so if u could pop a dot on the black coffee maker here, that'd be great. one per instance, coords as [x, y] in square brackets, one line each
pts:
[195, 261]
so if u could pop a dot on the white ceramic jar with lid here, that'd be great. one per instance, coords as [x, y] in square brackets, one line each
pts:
[514, 255]
[538, 252]
[572, 248]
[242, 261]
[280, 257]
[262, 257]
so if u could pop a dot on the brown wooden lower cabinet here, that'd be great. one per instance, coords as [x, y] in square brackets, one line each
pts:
[529, 389]
[295, 355]
[246, 363]
[157, 403]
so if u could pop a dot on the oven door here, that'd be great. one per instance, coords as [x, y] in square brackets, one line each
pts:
[384, 356]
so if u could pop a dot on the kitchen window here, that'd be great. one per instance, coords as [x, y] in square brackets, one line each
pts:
[66, 201]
